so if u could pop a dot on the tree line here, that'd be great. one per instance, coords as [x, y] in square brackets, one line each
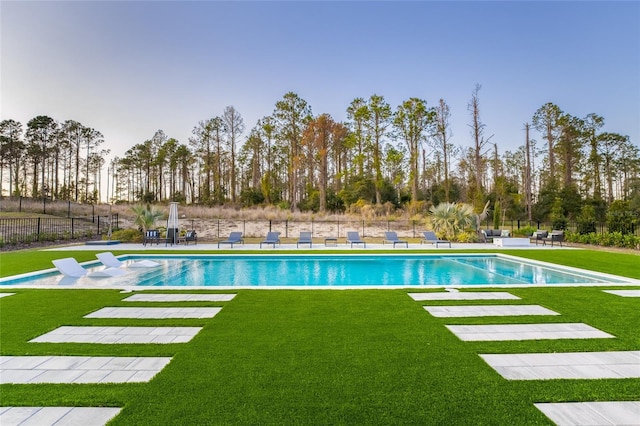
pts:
[51, 160]
[382, 157]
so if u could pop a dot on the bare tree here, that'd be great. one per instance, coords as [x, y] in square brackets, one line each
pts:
[442, 135]
[479, 143]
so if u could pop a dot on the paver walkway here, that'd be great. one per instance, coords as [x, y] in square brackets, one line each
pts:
[111, 335]
[6, 294]
[624, 293]
[58, 416]
[79, 369]
[569, 365]
[592, 413]
[151, 297]
[504, 332]
[467, 295]
[154, 313]
[487, 310]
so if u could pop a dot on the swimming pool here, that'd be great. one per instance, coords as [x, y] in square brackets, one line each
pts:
[331, 271]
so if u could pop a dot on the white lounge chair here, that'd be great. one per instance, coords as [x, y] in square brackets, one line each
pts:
[71, 268]
[110, 261]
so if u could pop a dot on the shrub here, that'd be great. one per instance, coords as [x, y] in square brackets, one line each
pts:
[620, 217]
[558, 219]
[525, 231]
[587, 220]
[467, 237]
[127, 235]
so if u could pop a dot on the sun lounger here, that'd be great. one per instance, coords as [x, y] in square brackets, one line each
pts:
[272, 238]
[392, 237]
[354, 238]
[71, 268]
[305, 238]
[430, 237]
[110, 261]
[234, 238]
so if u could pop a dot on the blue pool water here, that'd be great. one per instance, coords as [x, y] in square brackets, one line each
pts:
[341, 270]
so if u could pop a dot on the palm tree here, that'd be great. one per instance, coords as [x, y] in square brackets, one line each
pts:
[146, 217]
[449, 219]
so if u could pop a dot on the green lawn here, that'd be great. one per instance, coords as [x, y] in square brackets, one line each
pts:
[323, 357]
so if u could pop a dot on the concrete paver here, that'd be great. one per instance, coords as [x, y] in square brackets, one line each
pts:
[154, 313]
[6, 294]
[79, 369]
[568, 365]
[592, 413]
[505, 332]
[487, 311]
[187, 297]
[58, 416]
[118, 335]
[464, 295]
[624, 293]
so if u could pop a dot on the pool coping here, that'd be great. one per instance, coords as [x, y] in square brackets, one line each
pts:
[105, 284]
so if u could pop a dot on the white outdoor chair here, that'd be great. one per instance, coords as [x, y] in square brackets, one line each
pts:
[110, 261]
[71, 268]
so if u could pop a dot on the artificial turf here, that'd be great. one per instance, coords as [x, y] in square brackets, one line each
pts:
[323, 357]
[320, 357]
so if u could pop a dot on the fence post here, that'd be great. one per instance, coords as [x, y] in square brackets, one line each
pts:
[20, 205]
[38, 231]
[286, 228]
[72, 230]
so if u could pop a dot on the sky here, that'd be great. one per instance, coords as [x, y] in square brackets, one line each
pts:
[130, 68]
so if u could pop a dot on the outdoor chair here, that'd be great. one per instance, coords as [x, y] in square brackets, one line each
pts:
[392, 237]
[305, 238]
[71, 268]
[110, 261]
[234, 238]
[556, 236]
[272, 238]
[540, 236]
[151, 236]
[189, 236]
[430, 237]
[354, 238]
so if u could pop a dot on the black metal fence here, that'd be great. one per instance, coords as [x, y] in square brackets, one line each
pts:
[27, 230]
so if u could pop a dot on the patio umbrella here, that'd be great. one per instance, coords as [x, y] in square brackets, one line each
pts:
[172, 223]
